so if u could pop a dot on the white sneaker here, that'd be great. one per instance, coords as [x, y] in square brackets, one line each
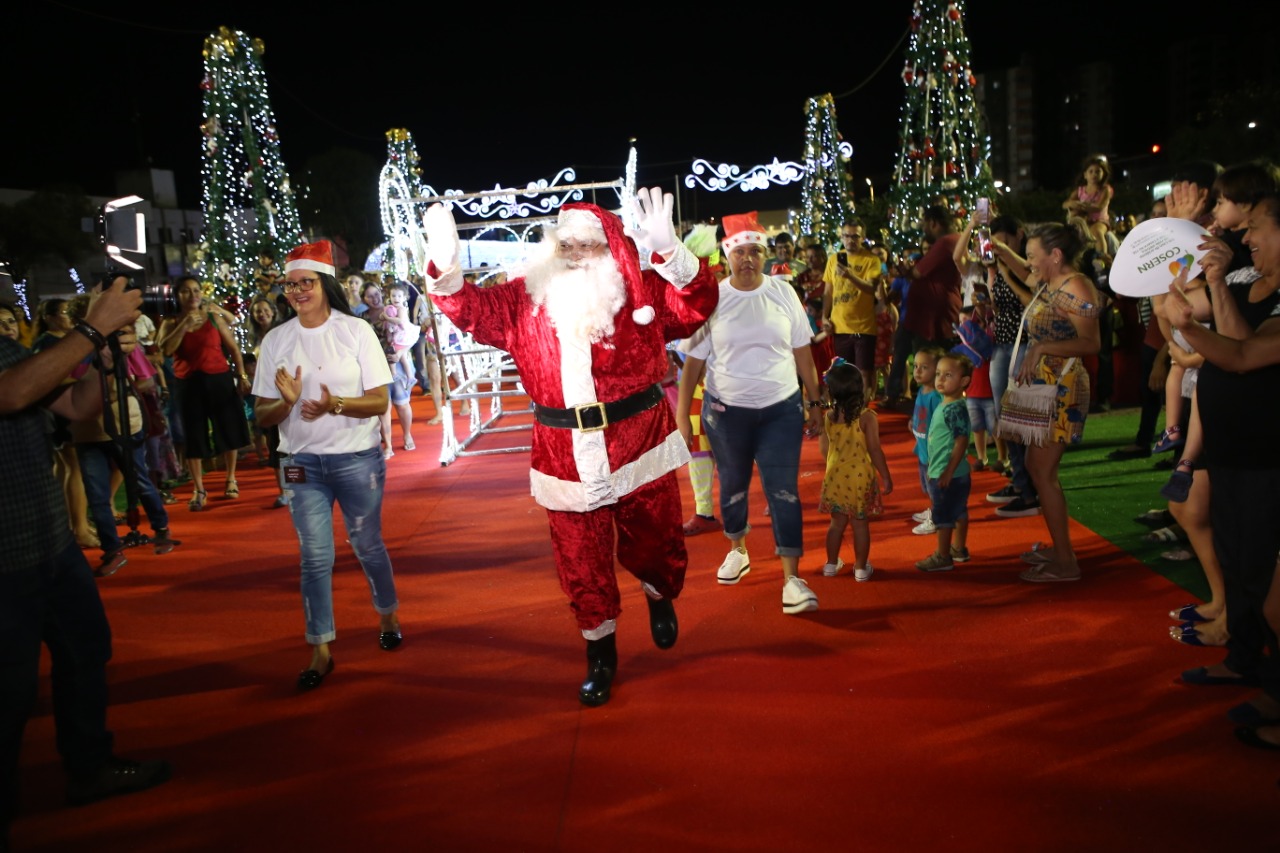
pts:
[734, 568]
[926, 515]
[924, 528]
[830, 570]
[797, 597]
[861, 575]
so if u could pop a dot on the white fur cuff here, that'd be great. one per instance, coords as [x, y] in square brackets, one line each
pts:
[449, 282]
[681, 268]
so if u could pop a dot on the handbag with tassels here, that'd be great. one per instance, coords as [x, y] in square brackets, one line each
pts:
[1027, 412]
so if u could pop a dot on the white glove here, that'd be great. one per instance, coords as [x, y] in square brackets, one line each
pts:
[442, 248]
[442, 237]
[654, 229]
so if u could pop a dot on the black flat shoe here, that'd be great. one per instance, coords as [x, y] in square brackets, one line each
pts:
[662, 622]
[1249, 737]
[310, 679]
[389, 640]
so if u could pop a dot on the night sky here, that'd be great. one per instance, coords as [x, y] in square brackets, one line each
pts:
[493, 100]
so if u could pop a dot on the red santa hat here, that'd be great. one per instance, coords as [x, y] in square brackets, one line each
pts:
[589, 221]
[317, 257]
[741, 229]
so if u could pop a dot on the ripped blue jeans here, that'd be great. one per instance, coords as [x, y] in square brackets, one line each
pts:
[769, 438]
[355, 481]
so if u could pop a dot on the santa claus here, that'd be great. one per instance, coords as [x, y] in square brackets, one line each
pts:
[587, 328]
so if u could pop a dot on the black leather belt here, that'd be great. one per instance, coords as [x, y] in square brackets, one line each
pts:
[590, 417]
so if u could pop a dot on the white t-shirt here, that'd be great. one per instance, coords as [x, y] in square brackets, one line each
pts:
[748, 344]
[344, 355]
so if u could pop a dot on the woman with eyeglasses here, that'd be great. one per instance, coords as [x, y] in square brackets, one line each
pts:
[203, 351]
[322, 377]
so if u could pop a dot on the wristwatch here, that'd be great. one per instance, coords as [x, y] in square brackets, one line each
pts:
[337, 408]
[816, 403]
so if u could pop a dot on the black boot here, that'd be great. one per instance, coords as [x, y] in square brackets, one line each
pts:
[602, 663]
[662, 622]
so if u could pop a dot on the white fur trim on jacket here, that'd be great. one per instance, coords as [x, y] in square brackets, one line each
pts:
[681, 269]
[449, 282]
[566, 496]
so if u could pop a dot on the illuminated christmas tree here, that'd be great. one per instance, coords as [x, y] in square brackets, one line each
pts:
[827, 193]
[943, 148]
[249, 210]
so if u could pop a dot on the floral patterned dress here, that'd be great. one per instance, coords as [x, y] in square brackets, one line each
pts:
[1049, 319]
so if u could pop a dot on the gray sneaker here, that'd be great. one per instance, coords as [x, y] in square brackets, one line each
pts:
[935, 562]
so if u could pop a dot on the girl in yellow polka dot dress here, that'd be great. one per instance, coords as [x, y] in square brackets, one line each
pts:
[851, 489]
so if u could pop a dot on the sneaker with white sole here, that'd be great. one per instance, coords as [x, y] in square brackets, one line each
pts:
[924, 528]
[864, 574]
[830, 570]
[959, 555]
[935, 562]
[925, 515]
[797, 597]
[1004, 496]
[734, 568]
[1019, 507]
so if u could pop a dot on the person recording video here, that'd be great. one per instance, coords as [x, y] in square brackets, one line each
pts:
[47, 591]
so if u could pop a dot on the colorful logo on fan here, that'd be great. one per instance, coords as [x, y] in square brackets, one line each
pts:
[1179, 264]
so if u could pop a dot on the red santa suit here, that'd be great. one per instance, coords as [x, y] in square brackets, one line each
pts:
[621, 476]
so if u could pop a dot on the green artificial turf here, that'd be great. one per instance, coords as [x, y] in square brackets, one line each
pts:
[1105, 495]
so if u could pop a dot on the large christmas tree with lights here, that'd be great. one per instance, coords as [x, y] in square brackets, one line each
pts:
[826, 195]
[943, 147]
[250, 219]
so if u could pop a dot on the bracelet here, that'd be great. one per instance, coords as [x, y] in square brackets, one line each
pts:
[91, 333]
[337, 409]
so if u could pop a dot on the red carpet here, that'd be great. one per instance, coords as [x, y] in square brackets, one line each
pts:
[951, 711]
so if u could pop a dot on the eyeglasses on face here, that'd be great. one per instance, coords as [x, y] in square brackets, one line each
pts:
[303, 284]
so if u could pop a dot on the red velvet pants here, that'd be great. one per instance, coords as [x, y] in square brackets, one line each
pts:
[650, 545]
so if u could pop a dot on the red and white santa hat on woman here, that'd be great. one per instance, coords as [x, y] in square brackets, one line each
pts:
[584, 221]
[741, 229]
[317, 257]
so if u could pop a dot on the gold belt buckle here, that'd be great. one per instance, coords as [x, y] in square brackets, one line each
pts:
[604, 419]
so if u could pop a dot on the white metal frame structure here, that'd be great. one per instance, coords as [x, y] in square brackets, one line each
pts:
[485, 373]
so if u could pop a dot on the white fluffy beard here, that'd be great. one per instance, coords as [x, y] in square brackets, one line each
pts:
[581, 299]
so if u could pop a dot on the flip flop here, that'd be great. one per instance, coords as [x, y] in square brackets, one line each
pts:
[1036, 555]
[1185, 634]
[1187, 613]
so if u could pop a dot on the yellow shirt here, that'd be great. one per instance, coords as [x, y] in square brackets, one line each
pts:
[853, 311]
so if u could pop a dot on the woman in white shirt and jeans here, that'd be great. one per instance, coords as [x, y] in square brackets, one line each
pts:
[322, 377]
[752, 349]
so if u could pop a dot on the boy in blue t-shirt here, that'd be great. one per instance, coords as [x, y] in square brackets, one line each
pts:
[927, 400]
[948, 470]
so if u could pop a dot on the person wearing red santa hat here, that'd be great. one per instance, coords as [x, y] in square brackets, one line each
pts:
[322, 377]
[751, 350]
[587, 329]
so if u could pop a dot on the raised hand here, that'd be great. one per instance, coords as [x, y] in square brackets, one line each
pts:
[655, 229]
[441, 232]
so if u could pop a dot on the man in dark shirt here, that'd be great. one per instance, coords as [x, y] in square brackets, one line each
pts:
[933, 299]
[47, 590]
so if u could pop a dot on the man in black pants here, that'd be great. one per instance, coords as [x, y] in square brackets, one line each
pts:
[47, 591]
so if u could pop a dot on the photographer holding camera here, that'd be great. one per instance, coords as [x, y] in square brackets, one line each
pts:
[47, 590]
